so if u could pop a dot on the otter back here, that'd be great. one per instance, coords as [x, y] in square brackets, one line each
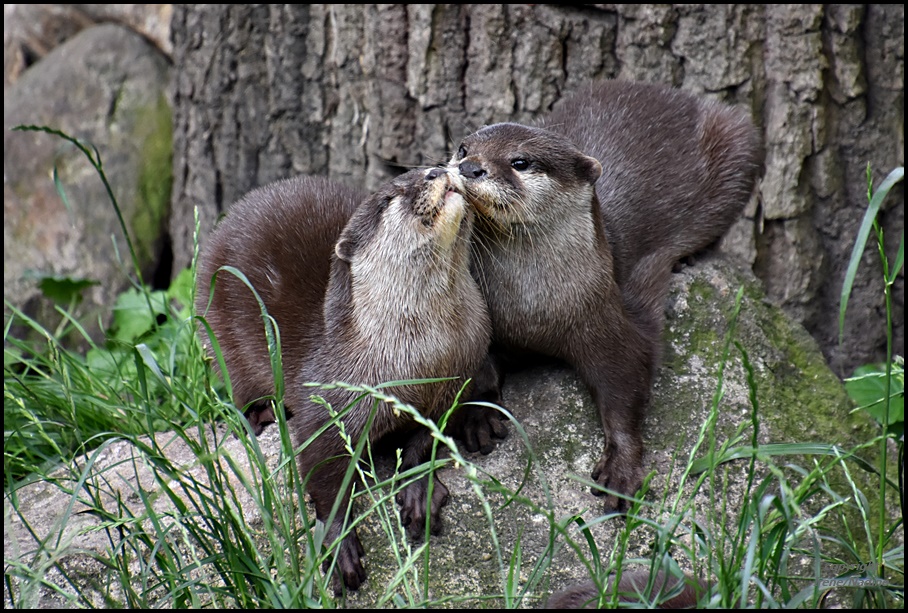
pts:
[677, 171]
[281, 236]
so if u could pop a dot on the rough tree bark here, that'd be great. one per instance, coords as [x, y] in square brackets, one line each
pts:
[360, 92]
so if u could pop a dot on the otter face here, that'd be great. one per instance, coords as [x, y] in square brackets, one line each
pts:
[405, 248]
[420, 213]
[435, 199]
[519, 174]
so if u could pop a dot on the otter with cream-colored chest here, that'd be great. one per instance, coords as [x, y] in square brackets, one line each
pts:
[281, 236]
[400, 305]
[580, 223]
[364, 290]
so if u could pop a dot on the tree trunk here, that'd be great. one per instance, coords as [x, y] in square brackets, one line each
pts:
[361, 92]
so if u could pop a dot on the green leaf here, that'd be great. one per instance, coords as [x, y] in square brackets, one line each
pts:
[180, 289]
[863, 233]
[106, 363]
[131, 317]
[868, 390]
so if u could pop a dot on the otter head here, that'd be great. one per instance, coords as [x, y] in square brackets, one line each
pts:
[516, 174]
[402, 252]
[418, 214]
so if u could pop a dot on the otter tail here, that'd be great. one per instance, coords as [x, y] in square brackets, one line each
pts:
[733, 156]
[632, 589]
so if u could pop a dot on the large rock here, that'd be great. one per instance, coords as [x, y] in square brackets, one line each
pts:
[31, 31]
[107, 86]
[800, 400]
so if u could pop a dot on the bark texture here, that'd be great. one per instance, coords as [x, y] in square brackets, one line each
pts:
[362, 92]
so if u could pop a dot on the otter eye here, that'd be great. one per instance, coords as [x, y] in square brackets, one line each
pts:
[461, 153]
[520, 164]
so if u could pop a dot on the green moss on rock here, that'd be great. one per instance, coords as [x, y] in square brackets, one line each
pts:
[155, 132]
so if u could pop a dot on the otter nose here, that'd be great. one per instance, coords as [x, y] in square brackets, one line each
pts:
[435, 173]
[471, 170]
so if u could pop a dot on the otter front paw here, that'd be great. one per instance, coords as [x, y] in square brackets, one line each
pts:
[412, 500]
[618, 474]
[260, 415]
[478, 426]
[349, 564]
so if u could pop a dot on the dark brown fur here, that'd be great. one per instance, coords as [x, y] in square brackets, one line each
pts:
[296, 241]
[281, 236]
[400, 305]
[632, 589]
[574, 255]
[677, 171]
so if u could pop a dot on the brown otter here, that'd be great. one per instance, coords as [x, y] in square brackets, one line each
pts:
[580, 225]
[666, 593]
[367, 297]
[281, 236]
[400, 305]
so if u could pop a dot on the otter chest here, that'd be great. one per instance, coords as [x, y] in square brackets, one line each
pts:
[538, 293]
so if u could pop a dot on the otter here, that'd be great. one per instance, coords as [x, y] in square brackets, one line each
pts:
[581, 221]
[303, 244]
[667, 592]
[400, 305]
[364, 290]
[281, 237]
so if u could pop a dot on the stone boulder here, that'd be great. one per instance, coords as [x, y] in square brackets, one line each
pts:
[106, 86]
[31, 31]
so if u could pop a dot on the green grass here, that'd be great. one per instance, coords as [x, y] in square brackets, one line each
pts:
[226, 530]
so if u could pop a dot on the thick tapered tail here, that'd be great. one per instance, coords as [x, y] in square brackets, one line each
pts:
[632, 588]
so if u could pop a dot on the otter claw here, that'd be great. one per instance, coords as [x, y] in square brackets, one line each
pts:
[350, 569]
[412, 500]
[477, 427]
[622, 478]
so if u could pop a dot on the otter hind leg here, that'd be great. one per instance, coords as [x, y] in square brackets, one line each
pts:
[323, 480]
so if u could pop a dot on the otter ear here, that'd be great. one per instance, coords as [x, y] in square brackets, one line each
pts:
[351, 236]
[590, 168]
[362, 225]
[345, 248]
